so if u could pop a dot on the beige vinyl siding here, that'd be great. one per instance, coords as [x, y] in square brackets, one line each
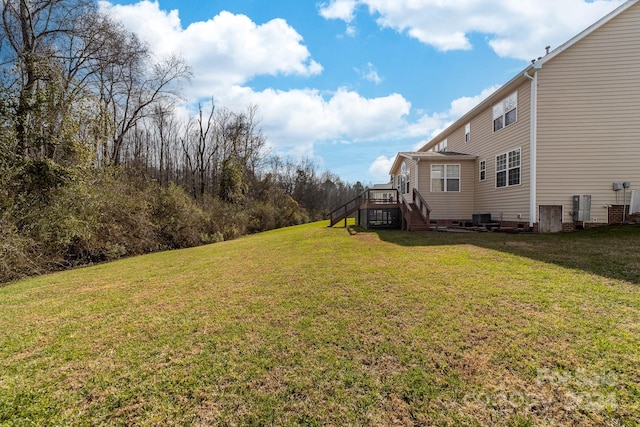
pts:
[397, 172]
[456, 205]
[411, 166]
[511, 203]
[589, 118]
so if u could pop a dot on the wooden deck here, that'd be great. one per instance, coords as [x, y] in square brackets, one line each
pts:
[415, 213]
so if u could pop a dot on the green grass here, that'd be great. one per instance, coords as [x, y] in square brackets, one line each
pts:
[314, 326]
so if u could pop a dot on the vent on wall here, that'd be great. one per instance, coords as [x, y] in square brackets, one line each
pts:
[582, 207]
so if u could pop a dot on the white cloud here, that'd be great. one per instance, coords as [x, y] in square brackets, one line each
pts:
[463, 105]
[303, 116]
[369, 73]
[380, 168]
[517, 29]
[225, 50]
[339, 9]
[430, 125]
[351, 31]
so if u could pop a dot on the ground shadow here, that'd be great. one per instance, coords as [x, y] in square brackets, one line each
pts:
[612, 251]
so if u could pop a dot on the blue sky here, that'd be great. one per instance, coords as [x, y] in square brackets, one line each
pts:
[349, 83]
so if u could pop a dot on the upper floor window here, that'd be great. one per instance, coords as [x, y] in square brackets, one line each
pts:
[505, 112]
[508, 169]
[467, 132]
[483, 170]
[445, 178]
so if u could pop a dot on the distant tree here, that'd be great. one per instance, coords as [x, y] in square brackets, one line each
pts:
[358, 187]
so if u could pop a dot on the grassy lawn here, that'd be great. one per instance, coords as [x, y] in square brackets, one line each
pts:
[314, 326]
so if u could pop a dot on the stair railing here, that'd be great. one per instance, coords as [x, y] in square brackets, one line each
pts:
[405, 207]
[345, 210]
[423, 206]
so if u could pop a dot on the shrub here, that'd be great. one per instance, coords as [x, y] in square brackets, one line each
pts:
[179, 221]
[18, 254]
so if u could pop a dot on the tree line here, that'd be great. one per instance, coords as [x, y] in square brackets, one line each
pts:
[97, 161]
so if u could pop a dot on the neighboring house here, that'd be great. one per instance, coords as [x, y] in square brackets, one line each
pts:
[556, 148]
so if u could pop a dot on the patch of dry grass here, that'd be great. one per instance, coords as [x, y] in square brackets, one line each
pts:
[314, 326]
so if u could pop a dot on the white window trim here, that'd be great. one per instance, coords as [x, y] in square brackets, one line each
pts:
[482, 170]
[502, 106]
[405, 178]
[467, 132]
[508, 169]
[445, 177]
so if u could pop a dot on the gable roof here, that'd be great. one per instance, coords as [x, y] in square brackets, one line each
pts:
[523, 75]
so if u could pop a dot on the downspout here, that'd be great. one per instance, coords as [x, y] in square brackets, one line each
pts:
[533, 144]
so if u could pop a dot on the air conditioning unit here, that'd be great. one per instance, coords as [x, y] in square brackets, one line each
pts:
[582, 207]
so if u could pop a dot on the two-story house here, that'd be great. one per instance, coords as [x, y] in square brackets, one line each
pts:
[556, 148]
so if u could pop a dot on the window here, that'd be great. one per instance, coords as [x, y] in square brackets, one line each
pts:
[404, 179]
[467, 132]
[442, 146]
[508, 169]
[483, 170]
[445, 178]
[505, 112]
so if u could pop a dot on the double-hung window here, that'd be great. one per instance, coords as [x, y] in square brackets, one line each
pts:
[483, 170]
[505, 112]
[467, 132]
[508, 169]
[445, 178]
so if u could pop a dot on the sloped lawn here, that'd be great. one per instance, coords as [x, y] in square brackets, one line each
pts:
[314, 326]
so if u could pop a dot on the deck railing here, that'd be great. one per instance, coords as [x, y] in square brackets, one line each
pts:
[384, 197]
[344, 211]
[367, 198]
[380, 197]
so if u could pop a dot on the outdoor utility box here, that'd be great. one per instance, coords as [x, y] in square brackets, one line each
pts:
[582, 207]
[481, 218]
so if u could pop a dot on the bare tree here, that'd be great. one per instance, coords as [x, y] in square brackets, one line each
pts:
[129, 91]
[34, 34]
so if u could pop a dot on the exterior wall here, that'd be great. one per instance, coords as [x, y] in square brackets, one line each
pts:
[507, 203]
[449, 205]
[588, 122]
[412, 166]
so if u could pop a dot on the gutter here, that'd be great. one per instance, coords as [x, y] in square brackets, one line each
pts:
[533, 144]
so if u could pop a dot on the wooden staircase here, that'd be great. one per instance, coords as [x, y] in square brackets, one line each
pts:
[415, 221]
[415, 214]
[344, 211]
